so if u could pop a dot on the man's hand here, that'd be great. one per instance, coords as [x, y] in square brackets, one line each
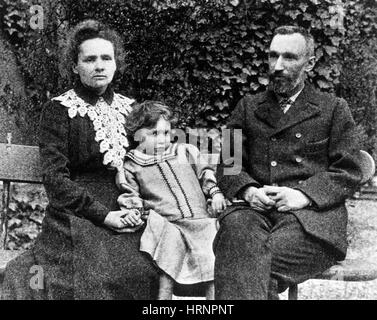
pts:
[258, 199]
[287, 199]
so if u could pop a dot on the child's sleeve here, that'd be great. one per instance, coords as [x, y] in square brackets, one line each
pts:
[127, 183]
[204, 169]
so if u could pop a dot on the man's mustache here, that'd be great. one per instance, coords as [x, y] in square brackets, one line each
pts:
[275, 75]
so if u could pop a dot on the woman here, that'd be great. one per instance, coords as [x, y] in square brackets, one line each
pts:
[81, 251]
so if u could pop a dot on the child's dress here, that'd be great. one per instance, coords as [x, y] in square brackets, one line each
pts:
[179, 231]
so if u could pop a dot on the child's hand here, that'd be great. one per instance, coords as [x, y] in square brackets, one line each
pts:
[218, 202]
[132, 218]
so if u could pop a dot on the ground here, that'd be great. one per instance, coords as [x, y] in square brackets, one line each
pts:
[363, 244]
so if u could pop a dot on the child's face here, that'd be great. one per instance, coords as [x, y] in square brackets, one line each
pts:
[157, 139]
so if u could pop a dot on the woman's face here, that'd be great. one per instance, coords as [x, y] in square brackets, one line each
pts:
[96, 64]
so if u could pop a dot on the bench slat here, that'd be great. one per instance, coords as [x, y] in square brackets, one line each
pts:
[20, 163]
[351, 270]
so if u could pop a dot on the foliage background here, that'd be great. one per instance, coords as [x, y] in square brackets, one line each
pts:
[198, 56]
[202, 56]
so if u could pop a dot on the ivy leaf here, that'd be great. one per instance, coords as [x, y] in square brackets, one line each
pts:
[292, 14]
[263, 80]
[242, 78]
[335, 41]
[225, 68]
[15, 13]
[257, 62]
[330, 50]
[303, 6]
[226, 87]
[325, 72]
[212, 118]
[246, 71]
[12, 30]
[222, 105]
[226, 79]
[206, 75]
[254, 86]
[238, 51]
[13, 206]
[323, 84]
[307, 17]
[237, 65]
[249, 50]
[319, 52]
[234, 3]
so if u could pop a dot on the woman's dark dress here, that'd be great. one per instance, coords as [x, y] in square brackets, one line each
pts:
[81, 259]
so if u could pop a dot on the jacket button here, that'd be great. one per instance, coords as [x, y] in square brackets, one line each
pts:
[298, 135]
[300, 182]
[273, 139]
[298, 159]
[274, 163]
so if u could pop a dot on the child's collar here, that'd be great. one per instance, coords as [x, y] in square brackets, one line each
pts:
[144, 159]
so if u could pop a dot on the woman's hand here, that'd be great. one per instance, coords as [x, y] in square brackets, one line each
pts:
[132, 218]
[115, 221]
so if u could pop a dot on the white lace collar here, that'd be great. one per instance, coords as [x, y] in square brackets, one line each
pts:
[108, 122]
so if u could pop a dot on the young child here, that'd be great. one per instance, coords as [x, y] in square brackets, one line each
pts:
[169, 180]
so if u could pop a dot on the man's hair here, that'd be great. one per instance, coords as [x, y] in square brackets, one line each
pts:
[147, 114]
[296, 29]
[87, 30]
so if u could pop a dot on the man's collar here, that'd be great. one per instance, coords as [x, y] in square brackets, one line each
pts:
[306, 105]
[295, 96]
[292, 98]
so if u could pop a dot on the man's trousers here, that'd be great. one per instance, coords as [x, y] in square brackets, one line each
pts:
[259, 255]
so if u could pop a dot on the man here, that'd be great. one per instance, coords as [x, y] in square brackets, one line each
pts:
[299, 164]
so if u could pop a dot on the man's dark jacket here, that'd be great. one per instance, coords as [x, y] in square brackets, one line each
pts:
[312, 148]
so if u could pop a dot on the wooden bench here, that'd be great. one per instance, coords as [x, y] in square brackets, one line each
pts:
[349, 269]
[22, 164]
[17, 164]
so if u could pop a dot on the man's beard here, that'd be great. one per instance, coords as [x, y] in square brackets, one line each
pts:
[283, 85]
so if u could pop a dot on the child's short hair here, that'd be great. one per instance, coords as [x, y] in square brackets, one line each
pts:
[147, 114]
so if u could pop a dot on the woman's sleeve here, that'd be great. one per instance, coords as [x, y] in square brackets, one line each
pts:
[127, 183]
[64, 194]
[204, 169]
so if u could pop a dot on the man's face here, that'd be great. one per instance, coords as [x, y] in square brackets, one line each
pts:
[288, 63]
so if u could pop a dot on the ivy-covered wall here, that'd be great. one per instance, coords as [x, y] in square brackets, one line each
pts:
[201, 56]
